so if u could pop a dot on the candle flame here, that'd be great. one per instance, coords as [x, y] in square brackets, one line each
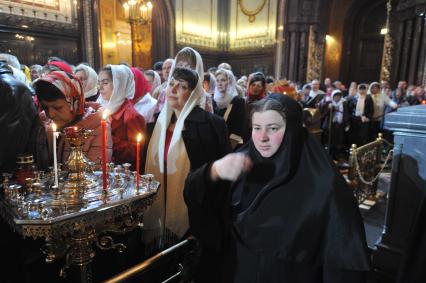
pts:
[139, 138]
[75, 129]
[105, 114]
[54, 127]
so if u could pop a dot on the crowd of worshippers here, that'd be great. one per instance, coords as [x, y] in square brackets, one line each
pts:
[231, 155]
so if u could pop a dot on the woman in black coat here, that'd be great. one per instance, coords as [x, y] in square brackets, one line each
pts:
[228, 105]
[184, 138]
[361, 109]
[277, 211]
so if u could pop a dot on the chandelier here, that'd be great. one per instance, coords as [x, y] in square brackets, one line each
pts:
[138, 11]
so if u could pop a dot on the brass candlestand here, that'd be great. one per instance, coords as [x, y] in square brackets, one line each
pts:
[77, 165]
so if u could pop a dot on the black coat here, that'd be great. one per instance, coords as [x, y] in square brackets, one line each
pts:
[301, 224]
[205, 137]
[20, 127]
[368, 107]
[237, 118]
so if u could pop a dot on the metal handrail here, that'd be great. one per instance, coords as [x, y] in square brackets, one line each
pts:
[153, 262]
[364, 188]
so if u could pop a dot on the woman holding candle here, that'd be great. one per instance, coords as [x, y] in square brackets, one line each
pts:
[184, 138]
[117, 88]
[62, 98]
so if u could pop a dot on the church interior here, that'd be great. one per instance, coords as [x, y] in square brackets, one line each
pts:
[119, 118]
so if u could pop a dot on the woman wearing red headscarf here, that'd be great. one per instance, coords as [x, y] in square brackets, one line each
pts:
[61, 97]
[143, 102]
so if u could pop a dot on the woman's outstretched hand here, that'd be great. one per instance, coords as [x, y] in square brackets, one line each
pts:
[230, 167]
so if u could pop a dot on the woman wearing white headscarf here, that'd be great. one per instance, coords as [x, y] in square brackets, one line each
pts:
[228, 105]
[153, 78]
[178, 144]
[117, 88]
[89, 79]
[381, 100]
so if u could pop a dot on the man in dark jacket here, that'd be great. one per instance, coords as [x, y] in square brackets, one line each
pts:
[20, 127]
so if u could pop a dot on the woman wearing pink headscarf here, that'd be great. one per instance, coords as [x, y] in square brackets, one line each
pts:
[61, 97]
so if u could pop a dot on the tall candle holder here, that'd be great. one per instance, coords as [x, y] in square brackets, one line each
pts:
[77, 165]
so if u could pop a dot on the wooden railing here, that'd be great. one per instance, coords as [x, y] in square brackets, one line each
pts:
[365, 166]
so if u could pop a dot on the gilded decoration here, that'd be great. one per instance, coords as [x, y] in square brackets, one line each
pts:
[251, 13]
[387, 49]
[78, 213]
[315, 56]
[62, 11]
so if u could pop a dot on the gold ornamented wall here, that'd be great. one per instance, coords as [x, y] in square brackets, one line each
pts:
[63, 11]
[197, 23]
[252, 23]
[116, 40]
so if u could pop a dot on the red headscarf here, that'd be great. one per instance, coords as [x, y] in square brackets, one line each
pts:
[70, 87]
[61, 65]
[141, 85]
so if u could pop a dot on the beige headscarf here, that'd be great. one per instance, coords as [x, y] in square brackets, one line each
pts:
[157, 222]
[90, 86]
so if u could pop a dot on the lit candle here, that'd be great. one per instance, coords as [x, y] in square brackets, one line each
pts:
[138, 150]
[55, 159]
[104, 156]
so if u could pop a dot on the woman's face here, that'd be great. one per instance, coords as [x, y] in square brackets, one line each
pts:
[184, 64]
[256, 88]
[105, 85]
[178, 93]
[268, 132]
[222, 83]
[81, 75]
[362, 91]
[375, 89]
[150, 79]
[59, 111]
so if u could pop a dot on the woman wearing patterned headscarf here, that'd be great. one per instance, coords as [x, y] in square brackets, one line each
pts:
[117, 88]
[89, 80]
[61, 97]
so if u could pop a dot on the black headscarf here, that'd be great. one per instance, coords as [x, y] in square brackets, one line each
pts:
[304, 213]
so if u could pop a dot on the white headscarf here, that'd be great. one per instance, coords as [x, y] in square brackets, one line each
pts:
[224, 99]
[124, 88]
[338, 107]
[90, 87]
[156, 82]
[178, 166]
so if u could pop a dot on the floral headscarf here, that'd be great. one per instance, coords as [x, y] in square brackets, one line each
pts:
[69, 86]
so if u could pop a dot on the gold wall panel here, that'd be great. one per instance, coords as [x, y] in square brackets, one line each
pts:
[196, 23]
[63, 11]
[252, 31]
[116, 42]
